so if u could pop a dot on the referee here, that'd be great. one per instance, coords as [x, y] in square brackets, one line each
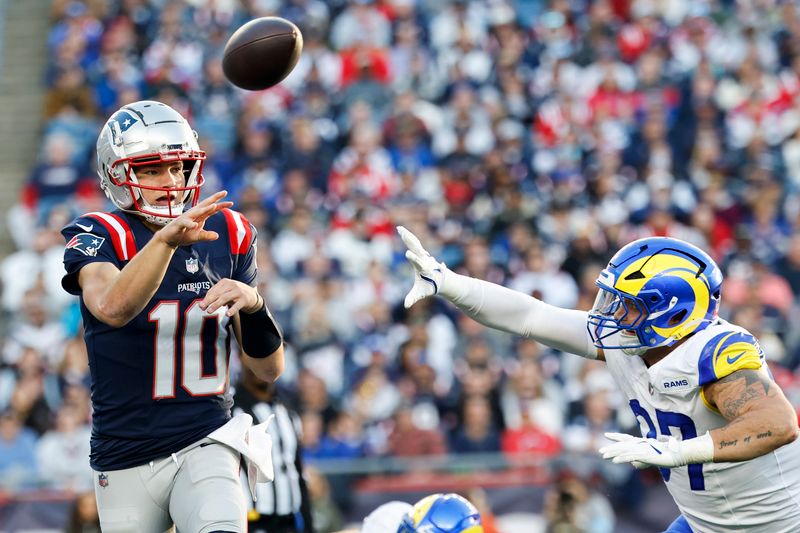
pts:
[282, 506]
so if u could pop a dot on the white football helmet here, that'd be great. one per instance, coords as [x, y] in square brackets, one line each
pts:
[145, 133]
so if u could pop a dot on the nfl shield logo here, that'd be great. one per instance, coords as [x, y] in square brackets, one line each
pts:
[192, 265]
[102, 480]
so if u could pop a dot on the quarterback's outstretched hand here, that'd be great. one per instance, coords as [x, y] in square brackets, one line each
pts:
[642, 452]
[188, 228]
[428, 272]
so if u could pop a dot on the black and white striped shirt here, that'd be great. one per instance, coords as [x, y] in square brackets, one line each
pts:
[287, 494]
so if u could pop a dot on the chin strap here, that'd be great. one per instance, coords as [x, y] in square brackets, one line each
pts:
[635, 349]
[633, 352]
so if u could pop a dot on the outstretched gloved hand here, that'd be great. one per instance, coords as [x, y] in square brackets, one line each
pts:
[428, 272]
[642, 452]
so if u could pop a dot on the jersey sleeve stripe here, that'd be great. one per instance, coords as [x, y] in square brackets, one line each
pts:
[239, 231]
[726, 353]
[720, 345]
[121, 235]
[248, 235]
[738, 352]
[229, 219]
[705, 365]
[130, 243]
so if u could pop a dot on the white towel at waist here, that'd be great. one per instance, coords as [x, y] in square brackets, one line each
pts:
[255, 445]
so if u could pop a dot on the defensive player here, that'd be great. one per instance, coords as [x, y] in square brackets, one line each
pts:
[164, 282]
[436, 513]
[441, 513]
[711, 416]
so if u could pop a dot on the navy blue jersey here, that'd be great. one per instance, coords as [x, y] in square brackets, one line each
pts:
[160, 382]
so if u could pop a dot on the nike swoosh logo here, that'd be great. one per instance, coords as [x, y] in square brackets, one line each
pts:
[731, 361]
[654, 448]
[429, 280]
[85, 228]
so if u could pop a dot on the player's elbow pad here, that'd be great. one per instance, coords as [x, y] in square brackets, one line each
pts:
[261, 335]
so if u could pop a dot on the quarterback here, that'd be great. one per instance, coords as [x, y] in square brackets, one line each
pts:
[711, 416]
[165, 281]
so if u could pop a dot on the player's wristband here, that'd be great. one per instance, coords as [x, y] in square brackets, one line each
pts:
[453, 286]
[697, 450]
[261, 335]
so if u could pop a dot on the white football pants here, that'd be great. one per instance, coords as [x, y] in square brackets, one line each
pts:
[197, 490]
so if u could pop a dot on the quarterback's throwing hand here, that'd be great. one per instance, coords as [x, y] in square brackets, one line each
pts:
[188, 228]
[428, 272]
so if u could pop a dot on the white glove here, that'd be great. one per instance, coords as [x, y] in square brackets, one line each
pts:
[428, 272]
[643, 453]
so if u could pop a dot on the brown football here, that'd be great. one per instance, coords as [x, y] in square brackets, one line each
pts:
[262, 53]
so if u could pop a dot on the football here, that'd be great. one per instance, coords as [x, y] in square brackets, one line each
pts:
[262, 53]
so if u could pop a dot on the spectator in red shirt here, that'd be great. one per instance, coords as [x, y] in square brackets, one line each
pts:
[529, 438]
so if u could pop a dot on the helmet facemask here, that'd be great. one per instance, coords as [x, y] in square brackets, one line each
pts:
[616, 312]
[181, 196]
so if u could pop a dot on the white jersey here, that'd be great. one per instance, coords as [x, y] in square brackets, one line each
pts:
[761, 495]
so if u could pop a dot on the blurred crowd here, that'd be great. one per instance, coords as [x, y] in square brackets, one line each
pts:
[523, 141]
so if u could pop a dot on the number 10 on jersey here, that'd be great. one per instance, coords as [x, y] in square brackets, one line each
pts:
[194, 342]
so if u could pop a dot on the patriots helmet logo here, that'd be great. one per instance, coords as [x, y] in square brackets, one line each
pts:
[86, 243]
[125, 120]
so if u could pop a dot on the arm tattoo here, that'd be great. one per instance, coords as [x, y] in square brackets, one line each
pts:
[744, 385]
[746, 440]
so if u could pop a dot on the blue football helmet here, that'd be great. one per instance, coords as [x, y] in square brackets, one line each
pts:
[442, 513]
[654, 292]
